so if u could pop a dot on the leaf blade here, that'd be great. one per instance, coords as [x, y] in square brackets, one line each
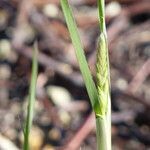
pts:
[89, 83]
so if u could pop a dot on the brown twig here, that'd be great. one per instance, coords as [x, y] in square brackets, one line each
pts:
[138, 99]
[139, 78]
[138, 8]
[81, 134]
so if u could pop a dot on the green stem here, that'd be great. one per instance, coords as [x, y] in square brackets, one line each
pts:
[101, 9]
[31, 102]
[103, 121]
[103, 131]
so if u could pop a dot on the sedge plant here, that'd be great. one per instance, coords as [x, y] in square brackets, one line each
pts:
[99, 93]
[31, 101]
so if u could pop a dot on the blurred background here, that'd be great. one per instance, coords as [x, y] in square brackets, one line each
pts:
[63, 118]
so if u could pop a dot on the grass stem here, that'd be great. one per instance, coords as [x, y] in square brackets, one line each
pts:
[100, 96]
[103, 122]
[30, 111]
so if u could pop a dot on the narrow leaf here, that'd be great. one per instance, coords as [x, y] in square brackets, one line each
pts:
[89, 83]
[31, 102]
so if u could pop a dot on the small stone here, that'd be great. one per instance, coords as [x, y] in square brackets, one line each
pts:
[54, 134]
[64, 117]
[66, 68]
[50, 10]
[48, 147]
[6, 144]
[5, 72]
[5, 48]
[59, 95]
[6, 52]
[121, 84]
[113, 9]
[16, 108]
[35, 138]
[44, 120]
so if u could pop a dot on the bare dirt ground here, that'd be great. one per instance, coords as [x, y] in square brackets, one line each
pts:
[63, 119]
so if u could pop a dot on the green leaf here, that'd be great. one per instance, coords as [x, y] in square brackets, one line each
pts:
[89, 83]
[28, 122]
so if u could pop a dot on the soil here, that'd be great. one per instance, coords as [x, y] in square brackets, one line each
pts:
[63, 117]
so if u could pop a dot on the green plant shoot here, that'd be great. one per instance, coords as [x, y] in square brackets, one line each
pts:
[100, 96]
[103, 122]
[30, 110]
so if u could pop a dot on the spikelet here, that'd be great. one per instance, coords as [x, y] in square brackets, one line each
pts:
[102, 73]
